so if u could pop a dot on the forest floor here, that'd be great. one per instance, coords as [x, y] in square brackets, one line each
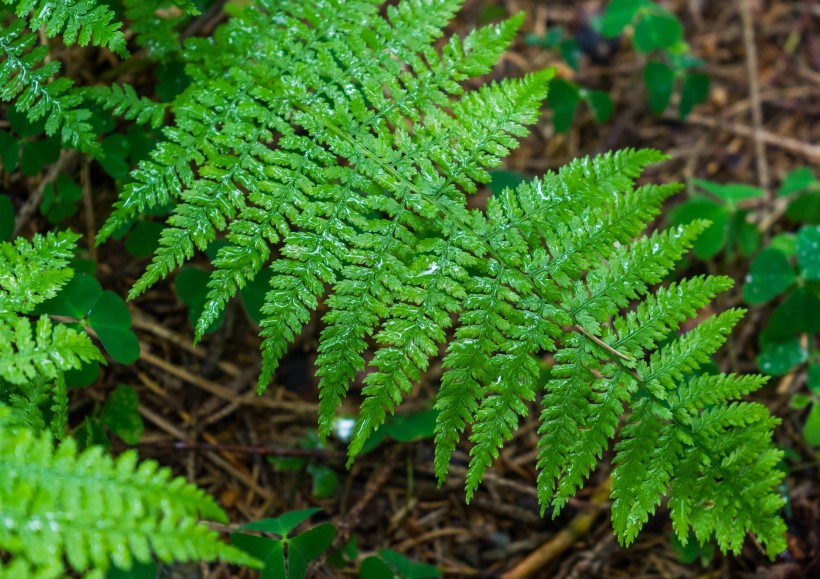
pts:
[204, 418]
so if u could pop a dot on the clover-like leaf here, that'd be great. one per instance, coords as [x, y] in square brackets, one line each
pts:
[111, 321]
[6, 218]
[796, 181]
[121, 414]
[659, 79]
[730, 192]
[779, 358]
[808, 251]
[770, 275]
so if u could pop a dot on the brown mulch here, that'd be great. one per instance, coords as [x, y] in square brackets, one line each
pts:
[203, 417]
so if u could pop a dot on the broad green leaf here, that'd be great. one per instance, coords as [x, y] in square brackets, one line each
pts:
[281, 525]
[781, 357]
[619, 14]
[657, 30]
[795, 181]
[38, 154]
[504, 179]
[191, 285]
[121, 414]
[811, 430]
[808, 251]
[304, 548]
[76, 298]
[814, 378]
[21, 124]
[61, 199]
[144, 238]
[410, 427]
[786, 243]
[800, 401]
[407, 569]
[769, 276]
[695, 91]
[116, 149]
[375, 568]
[6, 218]
[86, 375]
[9, 152]
[325, 482]
[713, 238]
[111, 321]
[600, 104]
[799, 313]
[742, 234]
[563, 99]
[805, 209]
[730, 192]
[253, 294]
[659, 79]
[270, 553]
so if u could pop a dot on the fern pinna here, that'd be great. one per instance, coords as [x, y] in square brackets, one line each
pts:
[26, 72]
[341, 156]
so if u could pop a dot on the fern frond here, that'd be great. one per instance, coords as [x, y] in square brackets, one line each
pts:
[123, 101]
[341, 158]
[25, 80]
[80, 22]
[68, 510]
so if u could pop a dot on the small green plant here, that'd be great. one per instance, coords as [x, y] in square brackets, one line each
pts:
[391, 565]
[730, 229]
[656, 32]
[285, 555]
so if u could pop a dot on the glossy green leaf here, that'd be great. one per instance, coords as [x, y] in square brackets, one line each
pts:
[811, 429]
[770, 275]
[808, 251]
[695, 91]
[659, 79]
[656, 31]
[730, 192]
[504, 179]
[796, 181]
[111, 321]
[121, 414]
[781, 357]
[6, 218]
[414, 426]
[799, 313]
[253, 295]
[800, 401]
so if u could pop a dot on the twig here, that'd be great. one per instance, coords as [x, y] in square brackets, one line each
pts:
[577, 528]
[788, 143]
[754, 93]
[241, 449]
[29, 208]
